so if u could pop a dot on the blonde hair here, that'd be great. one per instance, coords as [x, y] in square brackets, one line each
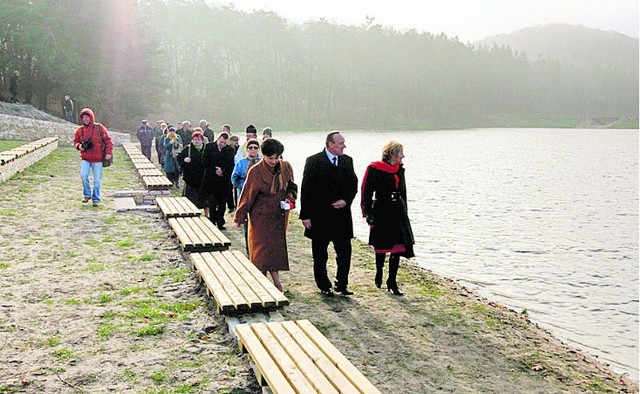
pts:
[390, 149]
[197, 129]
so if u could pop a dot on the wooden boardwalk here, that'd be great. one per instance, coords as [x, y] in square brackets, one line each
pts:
[235, 283]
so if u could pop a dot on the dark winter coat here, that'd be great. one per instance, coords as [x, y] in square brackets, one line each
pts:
[214, 157]
[211, 136]
[145, 135]
[383, 203]
[185, 134]
[322, 185]
[194, 170]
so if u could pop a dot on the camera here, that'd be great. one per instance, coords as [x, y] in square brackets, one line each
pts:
[287, 205]
[87, 144]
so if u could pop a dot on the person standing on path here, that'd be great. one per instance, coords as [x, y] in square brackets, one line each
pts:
[13, 86]
[218, 163]
[145, 136]
[384, 205]
[329, 185]
[240, 175]
[159, 132]
[92, 140]
[172, 145]
[241, 152]
[191, 161]
[185, 132]
[69, 109]
[209, 135]
[268, 195]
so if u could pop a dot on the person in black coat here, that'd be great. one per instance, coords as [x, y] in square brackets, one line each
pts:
[191, 160]
[218, 163]
[329, 185]
[386, 213]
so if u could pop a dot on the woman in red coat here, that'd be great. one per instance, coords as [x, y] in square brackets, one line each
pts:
[268, 184]
[384, 205]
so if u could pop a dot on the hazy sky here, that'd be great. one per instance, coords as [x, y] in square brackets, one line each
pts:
[470, 20]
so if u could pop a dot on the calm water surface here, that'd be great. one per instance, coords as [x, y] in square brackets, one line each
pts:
[539, 219]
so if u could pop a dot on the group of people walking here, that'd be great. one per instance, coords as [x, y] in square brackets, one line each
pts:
[216, 169]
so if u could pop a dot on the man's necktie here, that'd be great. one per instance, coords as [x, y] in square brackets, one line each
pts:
[335, 161]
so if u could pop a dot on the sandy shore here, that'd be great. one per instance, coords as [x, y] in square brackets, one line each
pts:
[97, 301]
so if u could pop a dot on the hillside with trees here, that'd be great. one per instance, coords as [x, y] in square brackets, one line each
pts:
[182, 59]
[577, 46]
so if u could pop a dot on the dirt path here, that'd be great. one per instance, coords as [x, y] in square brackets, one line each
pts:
[97, 301]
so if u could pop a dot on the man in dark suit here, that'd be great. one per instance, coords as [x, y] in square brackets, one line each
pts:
[329, 185]
[218, 163]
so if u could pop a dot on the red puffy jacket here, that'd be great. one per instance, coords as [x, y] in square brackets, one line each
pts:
[94, 154]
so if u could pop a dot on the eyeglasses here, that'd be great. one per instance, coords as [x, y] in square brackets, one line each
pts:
[252, 147]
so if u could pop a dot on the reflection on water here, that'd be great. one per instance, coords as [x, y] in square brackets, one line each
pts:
[538, 219]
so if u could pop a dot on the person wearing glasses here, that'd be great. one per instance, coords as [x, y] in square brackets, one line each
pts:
[267, 196]
[239, 174]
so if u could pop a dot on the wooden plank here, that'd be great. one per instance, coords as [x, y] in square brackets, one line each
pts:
[164, 208]
[219, 235]
[144, 165]
[150, 172]
[289, 368]
[203, 240]
[249, 274]
[324, 364]
[173, 210]
[247, 292]
[225, 283]
[156, 182]
[315, 376]
[184, 239]
[281, 299]
[212, 240]
[188, 206]
[339, 360]
[222, 299]
[267, 367]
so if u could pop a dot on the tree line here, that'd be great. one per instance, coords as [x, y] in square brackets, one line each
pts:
[185, 60]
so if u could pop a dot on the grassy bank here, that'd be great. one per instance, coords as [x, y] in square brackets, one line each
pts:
[96, 301]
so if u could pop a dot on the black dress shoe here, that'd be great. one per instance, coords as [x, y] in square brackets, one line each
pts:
[327, 292]
[222, 227]
[344, 291]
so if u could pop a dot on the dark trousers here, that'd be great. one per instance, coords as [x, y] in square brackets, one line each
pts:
[160, 152]
[342, 247]
[146, 150]
[217, 208]
[174, 177]
[231, 201]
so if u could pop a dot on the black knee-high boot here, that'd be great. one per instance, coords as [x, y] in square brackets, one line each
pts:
[394, 263]
[380, 257]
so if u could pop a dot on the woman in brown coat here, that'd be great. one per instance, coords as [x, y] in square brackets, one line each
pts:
[267, 196]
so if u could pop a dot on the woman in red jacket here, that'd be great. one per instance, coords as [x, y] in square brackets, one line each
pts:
[92, 140]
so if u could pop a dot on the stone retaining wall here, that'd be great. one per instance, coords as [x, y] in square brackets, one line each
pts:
[27, 129]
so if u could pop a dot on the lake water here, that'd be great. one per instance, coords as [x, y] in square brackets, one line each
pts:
[539, 219]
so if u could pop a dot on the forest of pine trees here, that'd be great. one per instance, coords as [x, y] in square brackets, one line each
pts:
[185, 60]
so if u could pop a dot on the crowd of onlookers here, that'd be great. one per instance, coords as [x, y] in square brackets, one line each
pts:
[219, 174]
[181, 152]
